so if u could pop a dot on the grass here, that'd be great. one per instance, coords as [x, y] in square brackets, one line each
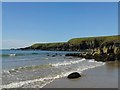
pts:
[47, 44]
[101, 40]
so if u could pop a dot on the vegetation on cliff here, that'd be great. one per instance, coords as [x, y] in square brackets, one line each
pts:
[105, 48]
[77, 44]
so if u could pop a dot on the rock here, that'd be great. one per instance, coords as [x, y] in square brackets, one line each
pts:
[110, 57]
[105, 49]
[34, 53]
[96, 51]
[117, 53]
[74, 75]
[110, 50]
[73, 54]
[53, 55]
[117, 57]
[88, 56]
[117, 50]
[99, 57]
[56, 54]
[48, 55]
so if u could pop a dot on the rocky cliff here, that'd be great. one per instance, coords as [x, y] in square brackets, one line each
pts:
[97, 47]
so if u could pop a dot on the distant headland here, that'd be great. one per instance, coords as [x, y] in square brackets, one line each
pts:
[104, 48]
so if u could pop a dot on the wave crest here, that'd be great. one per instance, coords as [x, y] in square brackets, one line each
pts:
[67, 62]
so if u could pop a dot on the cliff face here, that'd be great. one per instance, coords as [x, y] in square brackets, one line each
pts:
[77, 44]
[99, 48]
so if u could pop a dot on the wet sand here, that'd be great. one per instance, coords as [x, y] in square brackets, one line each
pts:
[105, 76]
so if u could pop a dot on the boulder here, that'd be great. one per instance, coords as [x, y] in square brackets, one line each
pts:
[53, 55]
[74, 75]
[117, 50]
[110, 57]
[48, 55]
[73, 54]
[88, 56]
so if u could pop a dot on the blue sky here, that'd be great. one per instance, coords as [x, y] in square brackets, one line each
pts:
[28, 23]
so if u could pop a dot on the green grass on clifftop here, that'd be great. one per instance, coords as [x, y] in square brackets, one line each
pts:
[77, 44]
[101, 39]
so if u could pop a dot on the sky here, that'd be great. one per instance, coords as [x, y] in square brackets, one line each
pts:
[26, 23]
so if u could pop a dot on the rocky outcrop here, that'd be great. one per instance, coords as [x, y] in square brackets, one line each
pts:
[74, 75]
[100, 54]
[77, 44]
[73, 54]
[100, 48]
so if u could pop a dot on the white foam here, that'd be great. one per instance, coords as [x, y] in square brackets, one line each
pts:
[21, 83]
[90, 67]
[6, 71]
[21, 68]
[93, 60]
[47, 58]
[80, 70]
[12, 54]
[47, 80]
[67, 63]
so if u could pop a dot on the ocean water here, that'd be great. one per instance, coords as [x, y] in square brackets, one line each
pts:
[35, 69]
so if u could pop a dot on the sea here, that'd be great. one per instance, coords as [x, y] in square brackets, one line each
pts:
[36, 68]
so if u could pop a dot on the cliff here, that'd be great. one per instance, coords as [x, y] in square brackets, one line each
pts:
[105, 48]
[77, 44]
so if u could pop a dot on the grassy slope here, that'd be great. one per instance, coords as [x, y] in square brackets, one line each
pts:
[47, 44]
[77, 41]
[103, 39]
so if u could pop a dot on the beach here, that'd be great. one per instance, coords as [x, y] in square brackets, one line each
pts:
[44, 42]
[105, 76]
[49, 69]
[36, 69]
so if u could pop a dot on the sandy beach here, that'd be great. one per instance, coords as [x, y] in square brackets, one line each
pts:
[105, 76]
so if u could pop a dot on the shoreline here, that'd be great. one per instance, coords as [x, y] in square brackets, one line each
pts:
[105, 76]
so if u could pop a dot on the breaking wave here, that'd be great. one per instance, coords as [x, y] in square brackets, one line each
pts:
[27, 68]
[67, 62]
[17, 54]
[41, 82]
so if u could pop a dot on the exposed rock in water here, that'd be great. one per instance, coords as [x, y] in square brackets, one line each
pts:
[53, 55]
[74, 75]
[100, 54]
[73, 54]
[105, 48]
